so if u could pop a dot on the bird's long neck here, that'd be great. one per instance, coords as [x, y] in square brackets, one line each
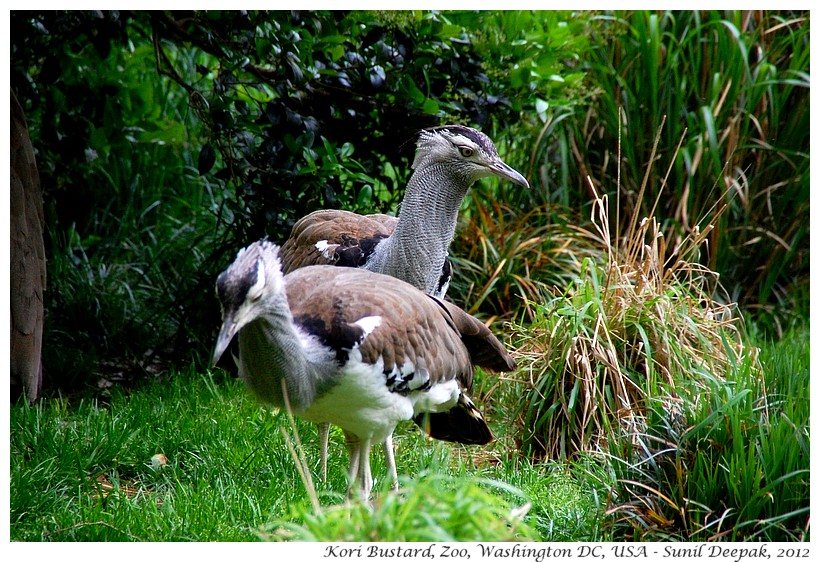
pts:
[417, 249]
[275, 359]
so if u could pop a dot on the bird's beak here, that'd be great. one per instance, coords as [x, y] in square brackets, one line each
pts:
[226, 333]
[502, 170]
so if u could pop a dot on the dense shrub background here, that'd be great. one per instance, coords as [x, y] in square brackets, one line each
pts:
[166, 140]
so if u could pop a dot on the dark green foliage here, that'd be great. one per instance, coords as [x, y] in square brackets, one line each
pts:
[316, 110]
[128, 220]
[71, 100]
[168, 140]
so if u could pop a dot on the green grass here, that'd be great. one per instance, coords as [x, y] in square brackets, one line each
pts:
[739, 470]
[81, 470]
[94, 460]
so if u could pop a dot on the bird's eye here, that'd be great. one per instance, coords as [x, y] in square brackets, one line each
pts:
[465, 151]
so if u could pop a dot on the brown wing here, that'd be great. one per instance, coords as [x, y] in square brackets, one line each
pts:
[342, 237]
[433, 336]
[485, 349]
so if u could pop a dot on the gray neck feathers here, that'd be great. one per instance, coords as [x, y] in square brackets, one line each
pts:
[416, 250]
[272, 350]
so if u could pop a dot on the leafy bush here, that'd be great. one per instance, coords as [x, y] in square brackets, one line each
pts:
[320, 109]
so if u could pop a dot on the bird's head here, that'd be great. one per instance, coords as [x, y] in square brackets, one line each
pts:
[244, 288]
[470, 153]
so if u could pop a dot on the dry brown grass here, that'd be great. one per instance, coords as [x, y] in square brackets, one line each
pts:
[505, 258]
[631, 326]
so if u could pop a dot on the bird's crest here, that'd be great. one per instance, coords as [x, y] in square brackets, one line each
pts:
[454, 132]
[439, 140]
[255, 268]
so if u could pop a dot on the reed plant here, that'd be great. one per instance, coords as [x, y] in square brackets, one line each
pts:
[738, 470]
[735, 87]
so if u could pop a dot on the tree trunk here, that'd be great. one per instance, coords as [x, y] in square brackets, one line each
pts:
[28, 261]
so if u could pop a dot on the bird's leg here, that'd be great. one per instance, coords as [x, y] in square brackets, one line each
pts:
[390, 462]
[324, 433]
[365, 476]
[354, 446]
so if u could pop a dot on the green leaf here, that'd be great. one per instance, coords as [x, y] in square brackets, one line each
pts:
[365, 197]
[520, 76]
[541, 107]
[430, 106]
[336, 52]
[412, 90]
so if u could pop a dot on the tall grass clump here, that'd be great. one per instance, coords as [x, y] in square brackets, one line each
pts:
[646, 362]
[738, 83]
[624, 330]
[739, 470]
[431, 507]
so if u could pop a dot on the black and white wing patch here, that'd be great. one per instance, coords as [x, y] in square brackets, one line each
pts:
[338, 335]
[406, 379]
[351, 251]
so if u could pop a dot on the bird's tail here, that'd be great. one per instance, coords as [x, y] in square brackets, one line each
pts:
[461, 424]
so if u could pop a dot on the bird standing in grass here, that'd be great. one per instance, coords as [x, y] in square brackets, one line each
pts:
[357, 349]
[414, 246]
